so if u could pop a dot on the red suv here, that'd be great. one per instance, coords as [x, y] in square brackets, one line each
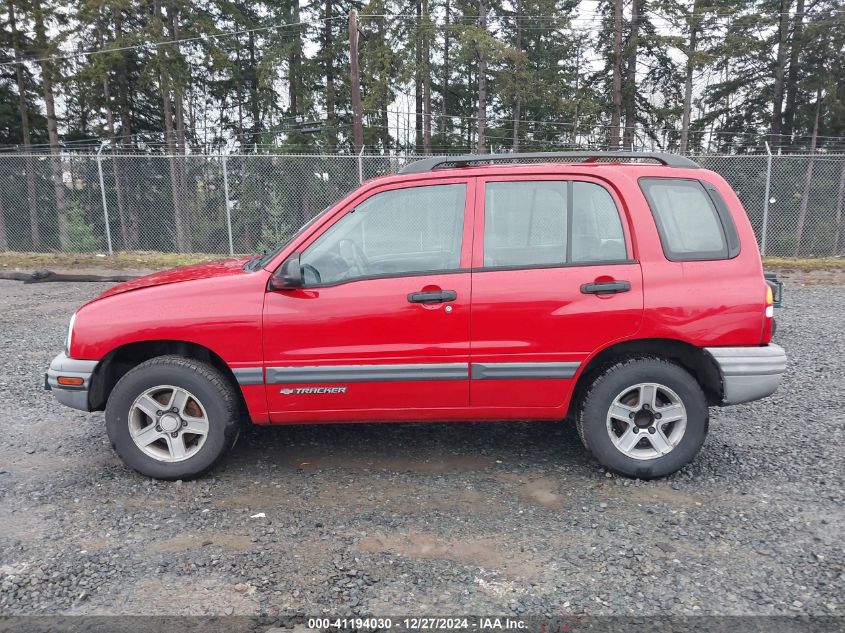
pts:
[624, 291]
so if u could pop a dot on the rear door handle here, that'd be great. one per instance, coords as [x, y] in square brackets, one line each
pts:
[606, 287]
[433, 296]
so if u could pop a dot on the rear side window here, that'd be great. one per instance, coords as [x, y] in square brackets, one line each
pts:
[549, 222]
[596, 228]
[692, 220]
[525, 223]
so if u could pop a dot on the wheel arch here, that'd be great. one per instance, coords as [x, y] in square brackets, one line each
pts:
[120, 360]
[695, 360]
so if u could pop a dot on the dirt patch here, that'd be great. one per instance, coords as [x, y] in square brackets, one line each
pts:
[659, 494]
[155, 596]
[491, 553]
[255, 498]
[396, 495]
[187, 542]
[547, 492]
[97, 544]
[24, 525]
[435, 464]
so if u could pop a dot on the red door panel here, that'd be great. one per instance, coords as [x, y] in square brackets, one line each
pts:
[342, 335]
[533, 325]
[537, 319]
[390, 345]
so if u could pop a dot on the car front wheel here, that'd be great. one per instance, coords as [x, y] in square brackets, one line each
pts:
[172, 417]
[644, 418]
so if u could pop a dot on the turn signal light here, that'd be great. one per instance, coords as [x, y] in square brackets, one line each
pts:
[770, 300]
[70, 381]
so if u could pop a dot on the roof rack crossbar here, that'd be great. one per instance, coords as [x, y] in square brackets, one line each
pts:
[473, 160]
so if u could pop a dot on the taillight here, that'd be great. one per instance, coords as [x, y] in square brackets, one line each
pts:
[768, 320]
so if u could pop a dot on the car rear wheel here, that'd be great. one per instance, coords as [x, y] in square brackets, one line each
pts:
[172, 417]
[644, 418]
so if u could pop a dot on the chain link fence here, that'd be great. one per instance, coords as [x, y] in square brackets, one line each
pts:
[246, 203]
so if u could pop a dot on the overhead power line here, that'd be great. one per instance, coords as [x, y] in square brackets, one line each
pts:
[566, 21]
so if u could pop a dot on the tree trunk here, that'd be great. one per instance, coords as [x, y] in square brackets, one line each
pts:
[254, 92]
[295, 64]
[118, 185]
[426, 71]
[34, 230]
[126, 130]
[123, 87]
[616, 80]
[328, 61]
[808, 179]
[482, 80]
[181, 146]
[418, 81]
[686, 118]
[179, 229]
[52, 125]
[517, 106]
[574, 134]
[780, 64]
[384, 97]
[630, 91]
[4, 236]
[838, 243]
[445, 127]
[239, 95]
[384, 125]
[796, 43]
[355, 80]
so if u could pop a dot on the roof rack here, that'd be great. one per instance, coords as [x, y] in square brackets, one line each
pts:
[476, 160]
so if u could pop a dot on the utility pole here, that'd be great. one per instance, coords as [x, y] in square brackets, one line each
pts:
[616, 81]
[482, 79]
[355, 78]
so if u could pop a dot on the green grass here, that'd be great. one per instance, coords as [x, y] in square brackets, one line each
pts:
[796, 263]
[135, 259]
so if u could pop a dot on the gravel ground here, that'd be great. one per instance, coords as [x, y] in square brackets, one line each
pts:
[508, 518]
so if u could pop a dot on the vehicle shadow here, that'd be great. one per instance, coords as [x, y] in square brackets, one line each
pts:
[432, 447]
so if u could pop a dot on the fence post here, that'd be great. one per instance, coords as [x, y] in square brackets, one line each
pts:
[228, 207]
[103, 192]
[361, 165]
[766, 201]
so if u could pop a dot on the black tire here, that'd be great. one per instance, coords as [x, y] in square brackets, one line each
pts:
[592, 416]
[211, 387]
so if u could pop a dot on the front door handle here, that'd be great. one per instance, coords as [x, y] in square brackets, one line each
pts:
[606, 287]
[433, 296]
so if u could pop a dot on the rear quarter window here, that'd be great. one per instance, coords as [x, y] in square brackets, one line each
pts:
[692, 219]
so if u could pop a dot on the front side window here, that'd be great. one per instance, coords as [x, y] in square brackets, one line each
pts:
[550, 222]
[396, 232]
[689, 225]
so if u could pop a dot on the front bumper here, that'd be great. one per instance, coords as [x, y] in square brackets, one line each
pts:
[749, 373]
[74, 397]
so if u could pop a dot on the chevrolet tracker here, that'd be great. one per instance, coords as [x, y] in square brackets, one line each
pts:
[623, 291]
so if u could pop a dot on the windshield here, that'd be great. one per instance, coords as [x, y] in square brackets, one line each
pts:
[259, 261]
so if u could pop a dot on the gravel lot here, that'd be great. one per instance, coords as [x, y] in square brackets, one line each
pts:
[436, 519]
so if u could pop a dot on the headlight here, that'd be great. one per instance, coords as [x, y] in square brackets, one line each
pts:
[69, 334]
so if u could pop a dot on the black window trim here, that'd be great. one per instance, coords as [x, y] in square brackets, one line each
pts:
[569, 179]
[723, 215]
[607, 262]
[420, 273]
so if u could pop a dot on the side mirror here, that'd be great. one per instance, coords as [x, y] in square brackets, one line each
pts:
[288, 276]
